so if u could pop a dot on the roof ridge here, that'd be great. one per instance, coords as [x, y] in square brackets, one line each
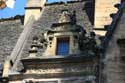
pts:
[62, 2]
[12, 18]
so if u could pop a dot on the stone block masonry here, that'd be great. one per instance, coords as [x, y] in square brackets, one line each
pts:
[103, 9]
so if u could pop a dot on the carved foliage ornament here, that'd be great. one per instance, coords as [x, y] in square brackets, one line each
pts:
[88, 44]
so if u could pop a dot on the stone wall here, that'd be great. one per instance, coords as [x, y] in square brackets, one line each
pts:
[103, 10]
[114, 68]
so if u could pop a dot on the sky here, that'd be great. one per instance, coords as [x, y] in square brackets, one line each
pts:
[18, 9]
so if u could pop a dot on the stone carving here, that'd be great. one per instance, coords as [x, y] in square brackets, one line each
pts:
[73, 17]
[88, 44]
[68, 16]
[38, 42]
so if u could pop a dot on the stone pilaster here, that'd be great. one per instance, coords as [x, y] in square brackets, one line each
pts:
[103, 9]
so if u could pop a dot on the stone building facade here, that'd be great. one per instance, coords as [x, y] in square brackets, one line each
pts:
[65, 43]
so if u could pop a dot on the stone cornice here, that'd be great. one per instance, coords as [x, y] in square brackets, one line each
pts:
[39, 76]
[33, 8]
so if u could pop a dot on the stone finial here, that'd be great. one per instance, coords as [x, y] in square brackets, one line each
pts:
[6, 67]
[65, 17]
[33, 52]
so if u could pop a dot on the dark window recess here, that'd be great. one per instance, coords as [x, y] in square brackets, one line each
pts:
[62, 46]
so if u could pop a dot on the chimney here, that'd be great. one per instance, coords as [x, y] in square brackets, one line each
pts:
[33, 7]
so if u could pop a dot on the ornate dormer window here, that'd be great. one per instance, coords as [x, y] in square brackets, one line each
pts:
[64, 38]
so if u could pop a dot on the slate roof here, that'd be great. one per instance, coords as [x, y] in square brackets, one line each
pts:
[9, 33]
[51, 14]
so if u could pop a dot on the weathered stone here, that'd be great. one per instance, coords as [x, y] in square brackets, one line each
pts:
[114, 68]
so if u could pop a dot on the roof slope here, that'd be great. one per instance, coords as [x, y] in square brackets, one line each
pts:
[9, 33]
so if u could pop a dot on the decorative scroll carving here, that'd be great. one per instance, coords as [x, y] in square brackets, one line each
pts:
[37, 43]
